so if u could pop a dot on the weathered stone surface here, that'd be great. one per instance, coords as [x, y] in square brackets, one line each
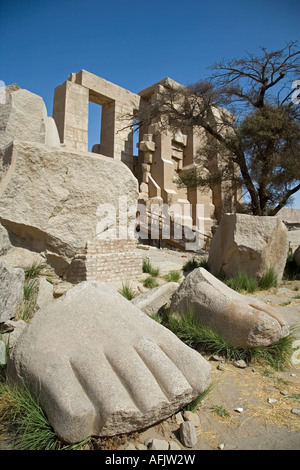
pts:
[250, 244]
[103, 367]
[159, 444]
[11, 292]
[297, 256]
[3, 357]
[242, 321]
[44, 292]
[4, 240]
[50, 198]
[11, 331]
[188, 435]
[23, 116]
[151, 301]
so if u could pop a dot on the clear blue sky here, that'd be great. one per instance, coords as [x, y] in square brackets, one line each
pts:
[134, 43]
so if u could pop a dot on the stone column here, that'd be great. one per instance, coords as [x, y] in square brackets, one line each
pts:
[70, 112]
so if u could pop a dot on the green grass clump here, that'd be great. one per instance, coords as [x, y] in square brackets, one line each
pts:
[34, 270]
[195, 404]
[193, 263]
[149, 268]
[23, 416]
[220, 411]
[241, 282]
[28, 304]
[150, 282]
[127, 291]
[268, 280]
[173, 276]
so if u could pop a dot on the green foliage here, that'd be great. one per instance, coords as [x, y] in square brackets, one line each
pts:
[34, 270]
[241, 282]
[127, 291]
[150, 282]
[173, 276]
[149, 268]
[220, 411]
[193, 263]
[195, 404]
[29, 300]
[268, 280]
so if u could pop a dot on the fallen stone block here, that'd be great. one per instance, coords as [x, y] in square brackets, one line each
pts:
[102, 367]
[250, 244]
[152, 301]
[241, 320]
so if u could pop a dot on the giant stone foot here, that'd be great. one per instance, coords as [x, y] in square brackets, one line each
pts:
[102, 367]
[241, 320]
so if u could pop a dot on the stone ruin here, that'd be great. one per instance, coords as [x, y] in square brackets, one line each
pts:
[162, 154]
[51, 184]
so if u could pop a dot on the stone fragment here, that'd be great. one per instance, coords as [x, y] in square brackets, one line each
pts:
[242, 321]
[159, 444]
[141, 446]
[249, 244]
[296, 411]
[3, 353]
[241, 364]
[55, 200]
[108, 369]
[179, 418]
[272, 400]
[188, 434]
[44, 292]
[190, 416]
[153, 300]
[11, 292]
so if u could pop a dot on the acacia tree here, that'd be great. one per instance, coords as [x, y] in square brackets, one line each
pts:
[251, 117]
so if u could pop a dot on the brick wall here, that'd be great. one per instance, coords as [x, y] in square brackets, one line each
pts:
[106, 260]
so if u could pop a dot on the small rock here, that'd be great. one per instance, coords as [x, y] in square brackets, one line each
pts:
[272, 400]
[221, 446]
[2, 353]
[271, 389]
[190, 416]
[241, 364]
[284, 392]
[141, 446]
[174, 446]
[159, 444]
[221, 367]
[230, 447]
[148, 441]
[188, 434]
[296, 411]
[217, 358]
[179, 418]
[239, 410]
